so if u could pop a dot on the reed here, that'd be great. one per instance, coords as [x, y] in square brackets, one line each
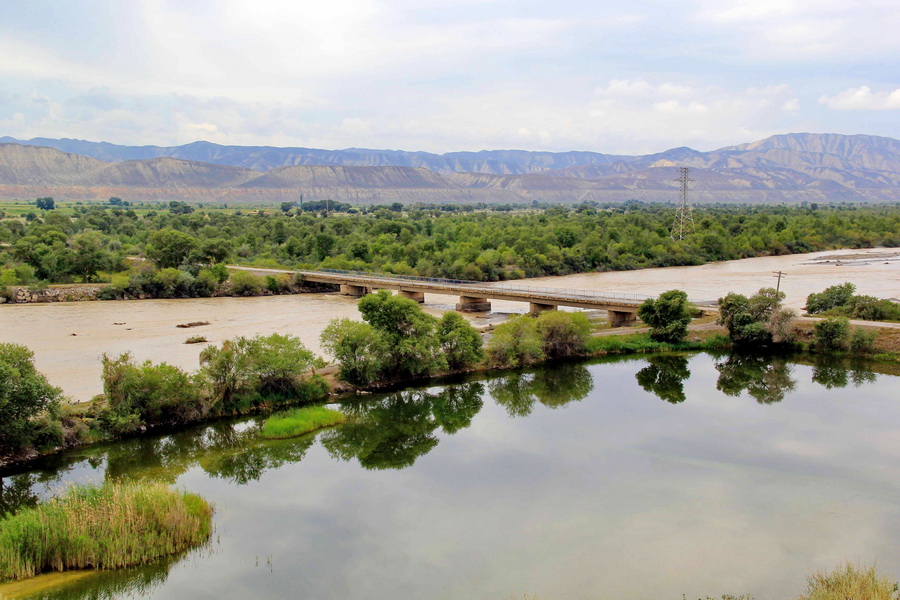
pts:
[299, 421]
[849, 582]
[107, 527]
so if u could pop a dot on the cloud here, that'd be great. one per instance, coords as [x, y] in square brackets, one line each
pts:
[863, 98]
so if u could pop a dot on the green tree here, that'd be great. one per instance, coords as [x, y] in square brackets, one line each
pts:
[667, 316]
[90, 256]
[515, 342]
[460, 342]
[45, 203]
[833, 297]
[169, 247]
[358, 347]
[563, 333]
[754, 320]
[25, 396]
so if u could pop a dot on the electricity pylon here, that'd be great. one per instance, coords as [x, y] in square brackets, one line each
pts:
[684, 216]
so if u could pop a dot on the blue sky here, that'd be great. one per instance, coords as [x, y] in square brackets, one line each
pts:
[441, 76]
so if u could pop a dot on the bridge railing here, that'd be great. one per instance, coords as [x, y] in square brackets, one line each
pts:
[497, 286]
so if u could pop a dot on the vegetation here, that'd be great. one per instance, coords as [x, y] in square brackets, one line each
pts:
[112, 526]
[300, 421]
[398, 340]
[850, 582]
[515, 342]
[758, 320]
[841, 301]
[668, 316]
[29, 405]
[478, 242]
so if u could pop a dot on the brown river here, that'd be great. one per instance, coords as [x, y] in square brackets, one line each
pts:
[69, 338]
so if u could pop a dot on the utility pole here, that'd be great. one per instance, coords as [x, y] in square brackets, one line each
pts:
[684, 216]
[779, 275]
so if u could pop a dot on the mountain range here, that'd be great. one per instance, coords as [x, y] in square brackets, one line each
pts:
[783, 168]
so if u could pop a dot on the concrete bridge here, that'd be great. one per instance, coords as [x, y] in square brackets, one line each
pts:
[475, 296]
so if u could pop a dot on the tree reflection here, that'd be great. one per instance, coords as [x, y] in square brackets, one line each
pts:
[766, 378]
[553, 387]
[837, 372]
[393, 431]
[665, 376]
[17, 492]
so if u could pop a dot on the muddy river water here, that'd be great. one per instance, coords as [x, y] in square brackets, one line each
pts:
[69, 338]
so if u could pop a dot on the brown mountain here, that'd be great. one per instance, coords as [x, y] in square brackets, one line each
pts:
[791, 168]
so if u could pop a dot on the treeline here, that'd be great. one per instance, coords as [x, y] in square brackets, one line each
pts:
[240, 376]
[477, 245]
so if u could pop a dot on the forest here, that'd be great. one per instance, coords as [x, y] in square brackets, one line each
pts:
[88, 243]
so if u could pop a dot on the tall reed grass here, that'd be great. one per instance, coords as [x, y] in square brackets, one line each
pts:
[112, 526]
[299, 421]
[850, 582]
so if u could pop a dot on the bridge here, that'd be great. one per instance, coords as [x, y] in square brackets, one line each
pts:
[475, 296]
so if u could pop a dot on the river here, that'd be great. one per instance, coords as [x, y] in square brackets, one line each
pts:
[69, 338]
[617, 479]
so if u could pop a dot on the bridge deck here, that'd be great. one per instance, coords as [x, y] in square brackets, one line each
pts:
[477, 289]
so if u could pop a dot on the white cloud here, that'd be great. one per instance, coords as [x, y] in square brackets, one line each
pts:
[863, 98]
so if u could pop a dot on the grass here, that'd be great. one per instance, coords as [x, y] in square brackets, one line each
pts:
[299, 421]
[192, 324]
[641, 342]
[849, 582]
[112, 526]
[196, 339]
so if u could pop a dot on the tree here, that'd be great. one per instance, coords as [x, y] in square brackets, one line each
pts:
[515, 342]
[832, 297]
[89, 256]
[25, 395]
[563, 333]
[667, 316]
[45, 203]
[286, 206]
[169, 247]
[754, 320]
[358, 348]
[460, 341]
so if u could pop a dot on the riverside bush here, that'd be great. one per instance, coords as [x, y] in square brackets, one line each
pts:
[112, 526]
[26, 400]
[832, 333]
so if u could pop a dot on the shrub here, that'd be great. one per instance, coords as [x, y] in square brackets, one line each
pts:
[358, 347]
[25, 397]
[832, 297]
[112, 526]
[460, 342]
[245, 283]
[563, 333]
[147, 394]
[831, 333]
[245, 372]
[862, 341]
[849, 583]
[667, 316]
[752, 321]
[515, 342]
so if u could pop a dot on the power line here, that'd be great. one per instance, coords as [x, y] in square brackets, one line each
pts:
[684, 214]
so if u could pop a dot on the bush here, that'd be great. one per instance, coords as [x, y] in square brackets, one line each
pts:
[460, 342]
[246, 372]
[563, 333]
[849, 583]
[753, 321]
[831, 333]
[245, 283]
[26, 397]
[147, 395]
[832, 297]
[358, 347]
[862, 341]
[667, 316]
[515, 342]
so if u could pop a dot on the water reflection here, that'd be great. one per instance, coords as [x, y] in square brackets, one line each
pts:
[553, 387]
[765, 378]
[839, 372]
[665, 377]
[395, 430]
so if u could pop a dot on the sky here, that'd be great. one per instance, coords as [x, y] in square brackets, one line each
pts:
[440, 76]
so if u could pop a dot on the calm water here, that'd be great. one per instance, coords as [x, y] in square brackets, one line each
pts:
[640, 478]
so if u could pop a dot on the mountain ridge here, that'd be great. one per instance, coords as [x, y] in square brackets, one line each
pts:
[782, 168]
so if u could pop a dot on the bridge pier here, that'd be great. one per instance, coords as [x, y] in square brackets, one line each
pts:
[417, 296]
[537, 307]
[621, 318]
[473, 304]
[357, 291]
